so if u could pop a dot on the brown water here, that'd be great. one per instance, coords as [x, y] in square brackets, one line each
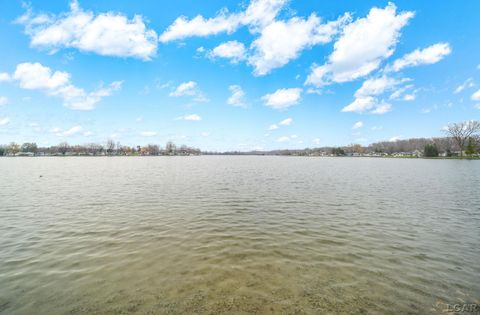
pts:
[238, 235]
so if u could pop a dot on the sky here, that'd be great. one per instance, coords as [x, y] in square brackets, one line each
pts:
[227, 75]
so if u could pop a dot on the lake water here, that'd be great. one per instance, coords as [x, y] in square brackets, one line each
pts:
[238, 235]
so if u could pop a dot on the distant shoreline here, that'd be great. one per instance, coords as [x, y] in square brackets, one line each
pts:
[247, 154]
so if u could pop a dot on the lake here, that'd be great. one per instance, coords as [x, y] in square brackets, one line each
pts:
[238, 235]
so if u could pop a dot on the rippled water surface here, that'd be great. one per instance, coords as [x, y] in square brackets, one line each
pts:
[238, 235]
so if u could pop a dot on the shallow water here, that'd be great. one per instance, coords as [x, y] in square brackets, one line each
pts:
[238, 234]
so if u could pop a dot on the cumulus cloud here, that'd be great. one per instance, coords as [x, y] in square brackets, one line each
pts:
[357, 125]
[35, 76]
[362, 46]
[233, 50]
[3, 100]
[282, 41]
[377, 86]
[476, 96]
[107, 34]
[366, 97]
[278, 41]
[237, 97]
[148, 133]
[426, 56]
[282, 98]
[189, 88]
[192, 117]
[4, 121]
[367, 104]
[257, 14]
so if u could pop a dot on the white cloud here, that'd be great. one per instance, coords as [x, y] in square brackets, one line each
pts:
[205, 134]
[400, 91]
[278, 42]
[476, 96]
[477, 106]
[382, 108]
[283, 98]
[3, 100]
[4, 121]
[148, 133]
[467, 84]
[377, 86]
[107, 34]
[286, 122]
[88, 134]
[4, 77]
[189, 88]
[361, 48]
[367, 104]
[258, 14]
[185, 88]
[69, 132]
[357, 125]
[282, 41]
[316, 141]
[283, 139]
[426, 56]
[360, 105]
[409, 97]
[35, 76]
[192, 117]
[365, 96]
[237, 97]
[199, 26]
[233, 50]
[374, 128]
[396, 138]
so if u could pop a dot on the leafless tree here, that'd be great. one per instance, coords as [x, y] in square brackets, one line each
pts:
[170, 148]
[110, 147]
[63, 147]
[462, 131]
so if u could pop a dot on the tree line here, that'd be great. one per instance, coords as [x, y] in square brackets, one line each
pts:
[461, 139]
[110, 148]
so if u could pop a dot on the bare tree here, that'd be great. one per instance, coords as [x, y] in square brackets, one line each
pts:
[63, 147]
[110, 147]
[462, 131]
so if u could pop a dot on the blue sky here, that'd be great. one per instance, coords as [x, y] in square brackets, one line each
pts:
[225, 75]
